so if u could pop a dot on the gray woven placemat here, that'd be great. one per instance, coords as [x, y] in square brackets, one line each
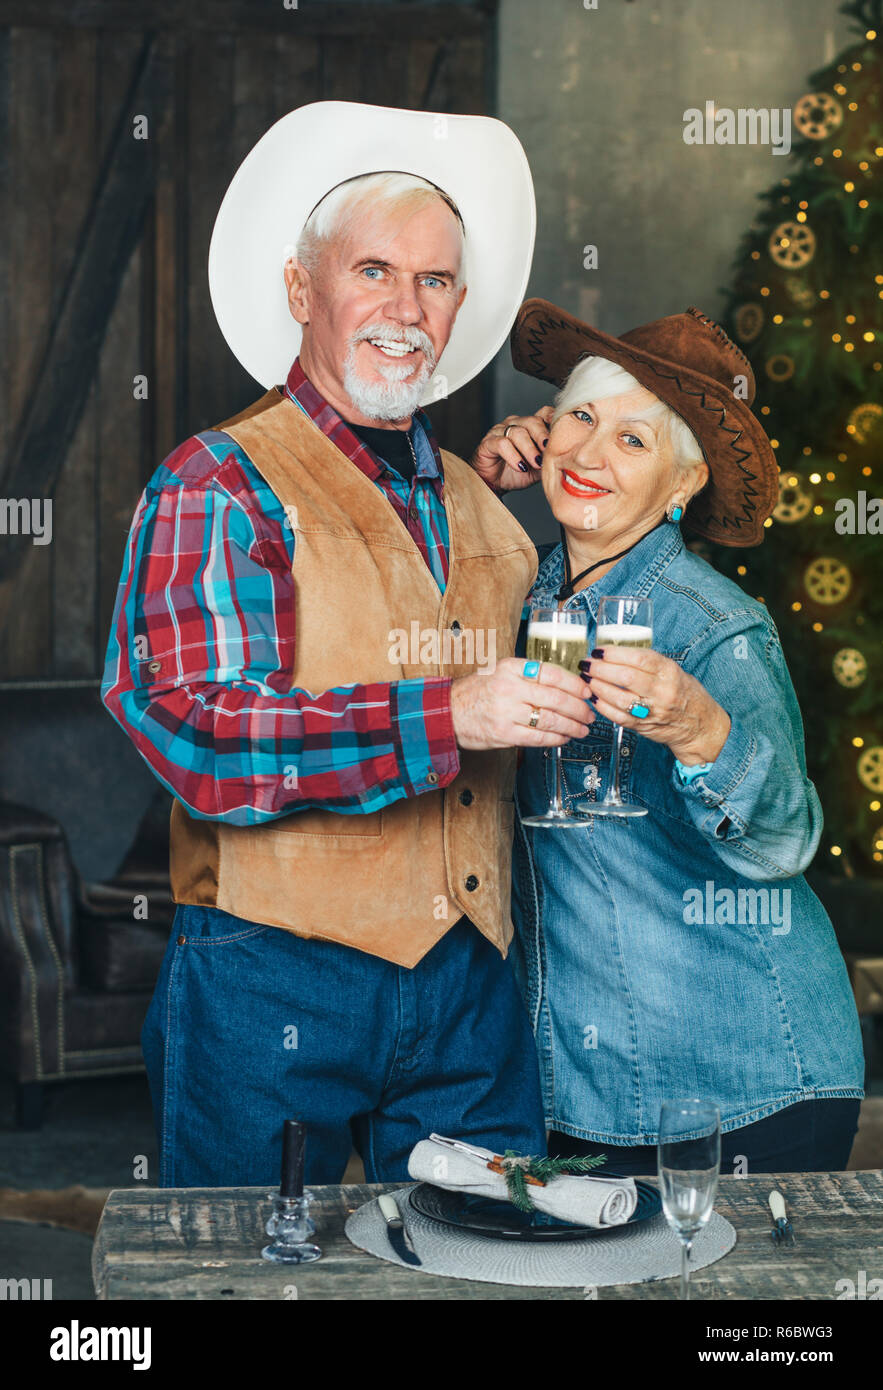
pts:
[626, 1255]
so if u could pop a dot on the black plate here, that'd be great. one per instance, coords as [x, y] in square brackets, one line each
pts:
[482, 1216]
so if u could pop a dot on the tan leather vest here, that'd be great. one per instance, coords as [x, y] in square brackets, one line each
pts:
[389, 882]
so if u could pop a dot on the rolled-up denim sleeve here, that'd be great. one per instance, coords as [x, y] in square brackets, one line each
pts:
[756, 803]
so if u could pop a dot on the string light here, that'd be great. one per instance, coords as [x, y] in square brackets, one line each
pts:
[874, 806]
[815, 477]
[740, 569]
[817, 627]
[858, 743]
[836, 850]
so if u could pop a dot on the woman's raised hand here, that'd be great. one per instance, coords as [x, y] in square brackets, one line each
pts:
[681, 713]
[510, 455]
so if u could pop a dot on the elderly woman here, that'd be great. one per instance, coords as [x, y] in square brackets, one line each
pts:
[682, 953]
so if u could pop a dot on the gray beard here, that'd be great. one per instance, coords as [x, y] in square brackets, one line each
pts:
[384, 400]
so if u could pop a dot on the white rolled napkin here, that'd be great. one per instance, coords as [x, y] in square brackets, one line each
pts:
[581, 1199]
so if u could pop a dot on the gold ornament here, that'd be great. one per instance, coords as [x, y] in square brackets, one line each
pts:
[865, 421]
[817, 115]
[780, 367]
[870, 769]
[850, 667]
[749, 322]
[827, 580]
[793, 504]
[792, 245]
[799, 292]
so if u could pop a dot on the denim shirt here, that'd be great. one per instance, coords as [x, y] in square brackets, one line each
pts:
[682, 953]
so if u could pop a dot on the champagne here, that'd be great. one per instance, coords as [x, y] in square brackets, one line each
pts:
[623, 635]
[564, 644]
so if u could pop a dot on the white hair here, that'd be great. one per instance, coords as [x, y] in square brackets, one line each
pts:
[597, 379]
[347, 201]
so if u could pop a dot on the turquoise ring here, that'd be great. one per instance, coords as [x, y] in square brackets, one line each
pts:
[531, 670]
[639, 711]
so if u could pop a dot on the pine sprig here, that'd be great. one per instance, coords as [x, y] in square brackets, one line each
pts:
[518, 1169]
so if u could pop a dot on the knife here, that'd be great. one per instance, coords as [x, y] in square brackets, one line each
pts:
[782, 1232]
[396, 1230]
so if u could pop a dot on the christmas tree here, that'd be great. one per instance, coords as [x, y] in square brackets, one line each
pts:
[806, 307]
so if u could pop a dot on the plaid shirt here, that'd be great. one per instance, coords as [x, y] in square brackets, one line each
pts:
[201, 651]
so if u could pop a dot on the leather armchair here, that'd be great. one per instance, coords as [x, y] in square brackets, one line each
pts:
[78, 963]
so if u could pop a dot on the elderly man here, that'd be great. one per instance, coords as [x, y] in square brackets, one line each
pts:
[340, 840]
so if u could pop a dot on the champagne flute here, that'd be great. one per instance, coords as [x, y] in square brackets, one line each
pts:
[559, 635]
[689, 1167]
[622, 622]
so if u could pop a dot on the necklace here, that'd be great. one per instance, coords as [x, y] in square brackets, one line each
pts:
[568, 588]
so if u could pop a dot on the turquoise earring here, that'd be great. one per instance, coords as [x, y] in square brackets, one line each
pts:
[673, 512]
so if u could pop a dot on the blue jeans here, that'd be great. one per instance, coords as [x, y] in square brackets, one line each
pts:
[250, 1025]
[814, 1136]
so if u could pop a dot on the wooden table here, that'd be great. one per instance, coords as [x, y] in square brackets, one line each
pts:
[204, 1243]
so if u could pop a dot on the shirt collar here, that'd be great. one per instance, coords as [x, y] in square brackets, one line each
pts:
[302, 391]
[635, 574]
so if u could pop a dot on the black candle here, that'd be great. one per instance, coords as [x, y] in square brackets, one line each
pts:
[294, 1136]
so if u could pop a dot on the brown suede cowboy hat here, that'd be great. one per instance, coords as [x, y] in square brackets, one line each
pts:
[688, 361]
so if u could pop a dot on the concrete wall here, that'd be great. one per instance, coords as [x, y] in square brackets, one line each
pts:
[597, 98]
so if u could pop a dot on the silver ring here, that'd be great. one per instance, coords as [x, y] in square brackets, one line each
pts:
[534, 717]
[506, 431]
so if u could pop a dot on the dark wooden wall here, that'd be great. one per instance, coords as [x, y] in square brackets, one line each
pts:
[104, 246]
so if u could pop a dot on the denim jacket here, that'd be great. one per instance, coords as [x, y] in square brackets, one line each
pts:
[682, 953]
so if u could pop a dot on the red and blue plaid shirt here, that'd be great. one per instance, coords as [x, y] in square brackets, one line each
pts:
[201, 651]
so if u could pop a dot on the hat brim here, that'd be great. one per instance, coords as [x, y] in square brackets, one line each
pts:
[476, 160]
[742, 489]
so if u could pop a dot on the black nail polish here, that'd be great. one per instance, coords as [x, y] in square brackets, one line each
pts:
[594, 699]
[537, 459]
[584, 676]
[545, 442]
[598, 652]
[584, 665]
[523, 467]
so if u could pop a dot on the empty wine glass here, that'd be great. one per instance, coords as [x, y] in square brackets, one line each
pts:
[689, 1167]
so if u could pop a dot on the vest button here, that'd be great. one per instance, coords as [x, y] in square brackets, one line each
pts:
[471, 883]
[466, 797]
[455, 626]
[432, 778]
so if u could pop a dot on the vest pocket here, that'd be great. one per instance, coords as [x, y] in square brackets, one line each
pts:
[285, 834]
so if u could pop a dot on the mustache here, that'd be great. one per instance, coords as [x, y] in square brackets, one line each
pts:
[405, 333]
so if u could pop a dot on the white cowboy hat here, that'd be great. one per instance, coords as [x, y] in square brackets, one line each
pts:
[476, 160]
